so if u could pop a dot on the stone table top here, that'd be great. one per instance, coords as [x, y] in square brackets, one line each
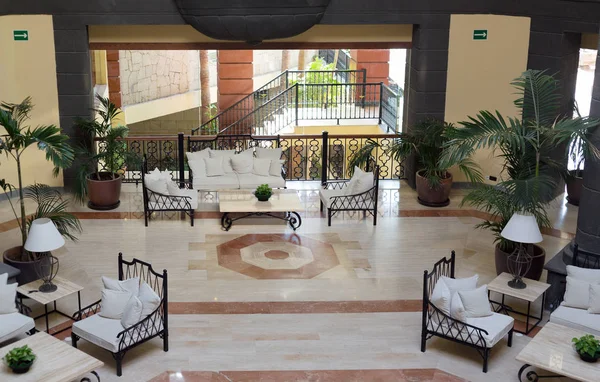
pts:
[531, 293]
[245, 201]
[65, 288]
[56, 361]
[552, 350]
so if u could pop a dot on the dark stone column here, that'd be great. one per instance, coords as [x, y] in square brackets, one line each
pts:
[74, 81]
[426, 87]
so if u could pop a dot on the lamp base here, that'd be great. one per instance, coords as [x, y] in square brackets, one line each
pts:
[517, 283]
[47, 288]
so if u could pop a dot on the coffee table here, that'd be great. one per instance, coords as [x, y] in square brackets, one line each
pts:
[286, 202]
[533, 291]
[552, 350]
[56, 361]
[65, 288]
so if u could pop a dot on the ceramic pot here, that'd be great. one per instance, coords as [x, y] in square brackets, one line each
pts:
[104, 194]
[12, 257]
[262, 197]
[537, 263]
[587, 358]
[21, 368]
[433, 197]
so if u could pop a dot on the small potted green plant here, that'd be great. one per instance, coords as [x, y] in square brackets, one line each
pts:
[588, 348]
[263, 192]
[19, 359]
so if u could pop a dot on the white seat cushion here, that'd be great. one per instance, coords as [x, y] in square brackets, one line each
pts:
[326, 196]
[14, 324]
[99, 331]
[577, 319]
[193, 194]
[497, 325]
[215, 183]
[251, 181]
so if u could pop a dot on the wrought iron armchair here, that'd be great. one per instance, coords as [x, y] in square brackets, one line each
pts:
[437, 323]
[155, 201]
[338, 202]
[156, 324]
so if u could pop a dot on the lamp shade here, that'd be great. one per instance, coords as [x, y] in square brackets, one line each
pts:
[522, 228]
[43, 236]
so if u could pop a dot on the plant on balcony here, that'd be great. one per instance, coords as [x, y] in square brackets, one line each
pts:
[104, 157]
[317, 96]
[527, 145]
[426, 140]
[18, 137]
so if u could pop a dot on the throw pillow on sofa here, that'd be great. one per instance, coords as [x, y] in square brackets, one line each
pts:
[261, 167]
[214, 166]
[594, 299]
[273, 154]
[577, 294]
[131, 285]
[476, 302]
[584, 274]
[8, 293]
[440, 297]
[242, 163]
[226, 155]
[275, 167]
[113, 303]
[196, 162]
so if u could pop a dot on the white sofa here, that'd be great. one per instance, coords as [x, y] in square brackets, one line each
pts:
[12, 322]
[240, 170]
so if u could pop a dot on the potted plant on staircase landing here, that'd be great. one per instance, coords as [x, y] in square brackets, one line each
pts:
[99, 175]
[527, 146]
[49, 202]
[426, 140]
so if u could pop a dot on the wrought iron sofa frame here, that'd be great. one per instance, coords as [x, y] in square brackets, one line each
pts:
[170, 202]
[445, 326]
[365, 201]
[147, 328]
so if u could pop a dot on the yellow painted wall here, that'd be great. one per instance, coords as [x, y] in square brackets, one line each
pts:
[339, 130]
[480, 72]
[28, 68]
[187, 34]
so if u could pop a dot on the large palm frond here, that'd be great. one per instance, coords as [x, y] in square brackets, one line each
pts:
[539, 99]
[51, 205]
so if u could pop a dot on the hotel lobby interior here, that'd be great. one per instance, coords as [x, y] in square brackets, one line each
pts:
[445, 241]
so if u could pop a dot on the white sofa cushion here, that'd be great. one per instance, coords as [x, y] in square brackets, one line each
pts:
[594, 299]
[215, 183]
[584, 274]
[226, 155]
[466, 283]
[576, 318]
[360, 182]
[251, 181]
[14, 324]
[476, 302]
[113, 303]
[157, 180]
[100, 331]
[132, 312]
[150, 300]
[131, 285]
[275, 167]
[440, 297]
[196, 162]
[242, 163]
[497, 325]
[273, 154]
[577, 293]
[327, 195]
[214, 166]
[176, 191]
[261, 167]
[8, 293]
[457, 309]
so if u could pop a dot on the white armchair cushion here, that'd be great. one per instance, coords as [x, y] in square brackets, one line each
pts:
[196, 162]
[328, 194]
[261, 167]
[99, 330]
[150, 300]
[497, 325]
[440, 297]
[584, 274]
[113, 303]
[575, 318]
[251, 181]
[157, 180]
[594, 299]
[132, 312]
[275, 167]
[131, 285]
[577, 293]
[8, 293]
[476, 302]
[467, 283]
[174, 190]
[226, 155]
[360, 182]
[214, 166]
[14, 324]
[457, 310]
[273, 154]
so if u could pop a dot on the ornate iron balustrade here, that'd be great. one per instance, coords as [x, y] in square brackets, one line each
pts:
[319, 157]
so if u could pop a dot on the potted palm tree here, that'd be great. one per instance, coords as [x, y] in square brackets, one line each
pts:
[18, 138]
[578, 150]
[426, 140]
[103, 158]
[527, 145]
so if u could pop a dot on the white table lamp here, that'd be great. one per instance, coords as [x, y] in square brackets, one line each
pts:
[43, 237]
[522, 228]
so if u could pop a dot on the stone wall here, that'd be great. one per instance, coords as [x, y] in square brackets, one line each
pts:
[153, 74]
[269, 61]
[183, 121]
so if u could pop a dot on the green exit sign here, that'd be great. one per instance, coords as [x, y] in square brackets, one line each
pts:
[21, 35]
[480, 34]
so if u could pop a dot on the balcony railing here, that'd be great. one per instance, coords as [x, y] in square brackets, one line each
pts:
[306, 157]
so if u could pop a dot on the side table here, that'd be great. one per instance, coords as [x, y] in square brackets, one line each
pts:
[533, 291]
[65, 288]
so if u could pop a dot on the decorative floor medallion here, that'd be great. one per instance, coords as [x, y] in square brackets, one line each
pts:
[277, 256]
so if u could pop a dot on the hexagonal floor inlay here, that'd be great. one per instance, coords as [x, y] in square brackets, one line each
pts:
[277, 256]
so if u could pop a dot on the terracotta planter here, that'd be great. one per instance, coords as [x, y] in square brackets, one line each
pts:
[12, 257]
[104, 194]
[574, 187]
[433, 197]
[537, 264]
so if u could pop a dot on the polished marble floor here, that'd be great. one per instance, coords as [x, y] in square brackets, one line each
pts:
[247, 300]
